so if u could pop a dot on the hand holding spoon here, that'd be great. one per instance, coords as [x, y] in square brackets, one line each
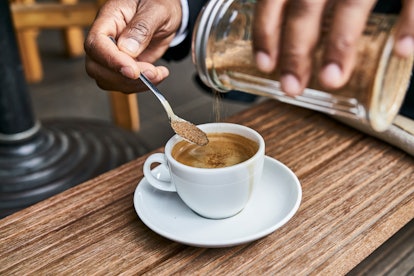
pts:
[185, 129]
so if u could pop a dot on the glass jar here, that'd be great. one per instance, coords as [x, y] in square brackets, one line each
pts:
[223, 56]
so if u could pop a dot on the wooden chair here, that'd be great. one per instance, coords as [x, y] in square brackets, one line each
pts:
[30, 16]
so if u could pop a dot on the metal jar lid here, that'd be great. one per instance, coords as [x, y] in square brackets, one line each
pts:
[206, 21]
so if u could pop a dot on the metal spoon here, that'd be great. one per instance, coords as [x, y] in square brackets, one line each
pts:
[185, 129]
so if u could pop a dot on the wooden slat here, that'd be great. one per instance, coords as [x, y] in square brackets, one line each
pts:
[29, 50]
[29, 16]
[125, 111]
[53, 15]
[357, 192]
[29, 54]
[73, 36]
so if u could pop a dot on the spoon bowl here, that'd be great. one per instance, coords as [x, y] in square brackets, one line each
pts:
[183, 128]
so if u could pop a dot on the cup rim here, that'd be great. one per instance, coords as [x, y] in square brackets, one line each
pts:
[227, 128]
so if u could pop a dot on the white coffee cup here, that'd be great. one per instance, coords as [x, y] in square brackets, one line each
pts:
[214, 193]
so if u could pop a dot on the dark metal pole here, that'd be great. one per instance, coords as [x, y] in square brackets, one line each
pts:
[16, 115]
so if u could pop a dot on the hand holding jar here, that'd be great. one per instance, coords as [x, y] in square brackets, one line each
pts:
[363, 76]
[290, 47]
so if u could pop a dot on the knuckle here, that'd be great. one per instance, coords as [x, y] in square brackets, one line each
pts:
[140, 31]
[303, 7]
[297, 52]
[267, 30]
[353, 3]
[89, 65]
[89, 43]
[343, 43]
[354, 6]
[295, 60]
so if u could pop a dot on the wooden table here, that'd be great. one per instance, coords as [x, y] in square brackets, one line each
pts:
[357, 192]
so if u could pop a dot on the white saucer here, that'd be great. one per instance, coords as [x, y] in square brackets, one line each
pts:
[273, 203]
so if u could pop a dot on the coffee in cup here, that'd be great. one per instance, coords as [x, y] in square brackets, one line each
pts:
[216, 180]
[223, 150]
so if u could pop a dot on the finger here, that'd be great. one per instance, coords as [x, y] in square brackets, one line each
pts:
[152, 21]
[267, 27]
[109, 80]
[348, 22]
[103, 51]
[127, 85]
[300, 36]
[99, 47]
[404, 36]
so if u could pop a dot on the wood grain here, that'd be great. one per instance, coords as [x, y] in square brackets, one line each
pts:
[357, 192]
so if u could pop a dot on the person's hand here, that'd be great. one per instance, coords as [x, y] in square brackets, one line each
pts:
[291, 49]
[142, 30]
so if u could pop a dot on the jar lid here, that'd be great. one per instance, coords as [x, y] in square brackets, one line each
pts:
[391, 82]
[207, 19]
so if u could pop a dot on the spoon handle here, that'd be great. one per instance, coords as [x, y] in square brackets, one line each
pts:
[159, 95]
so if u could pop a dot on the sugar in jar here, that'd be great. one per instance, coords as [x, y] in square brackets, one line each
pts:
[223, 55]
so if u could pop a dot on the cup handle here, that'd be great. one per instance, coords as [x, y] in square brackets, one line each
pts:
[163, 185]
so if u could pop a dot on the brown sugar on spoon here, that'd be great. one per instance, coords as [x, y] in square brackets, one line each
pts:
[182, 127]
[189, 132]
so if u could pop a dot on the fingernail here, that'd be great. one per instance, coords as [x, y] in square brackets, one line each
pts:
[127, 72]
[331, 75]
[404, 47]
[264, 62]
[129, 44]
[290, 85]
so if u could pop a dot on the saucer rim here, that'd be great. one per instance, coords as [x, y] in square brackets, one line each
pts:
[228, 242]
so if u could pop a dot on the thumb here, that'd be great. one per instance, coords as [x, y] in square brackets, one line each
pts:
[138, 34]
